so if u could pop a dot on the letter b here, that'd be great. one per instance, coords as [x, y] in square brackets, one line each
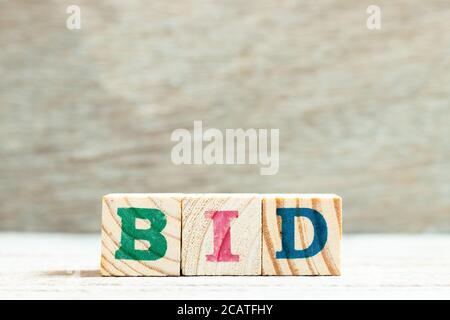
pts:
[158, 243]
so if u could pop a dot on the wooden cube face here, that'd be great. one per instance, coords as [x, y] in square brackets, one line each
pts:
[221, 234]
[302, 234]
[141, 235]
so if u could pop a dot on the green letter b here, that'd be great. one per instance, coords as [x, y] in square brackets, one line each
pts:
[158, 243]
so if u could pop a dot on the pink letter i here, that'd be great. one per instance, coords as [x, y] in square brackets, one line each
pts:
[222, 240]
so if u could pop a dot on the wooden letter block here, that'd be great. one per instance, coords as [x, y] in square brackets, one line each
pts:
[221, 234]
[141, 235]
[302, 234]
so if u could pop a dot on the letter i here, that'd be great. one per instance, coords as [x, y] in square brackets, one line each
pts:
[222, 238]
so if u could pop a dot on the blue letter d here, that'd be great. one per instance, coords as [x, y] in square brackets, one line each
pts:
[288, 216]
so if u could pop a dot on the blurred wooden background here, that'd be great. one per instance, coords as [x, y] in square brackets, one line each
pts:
[364, 114]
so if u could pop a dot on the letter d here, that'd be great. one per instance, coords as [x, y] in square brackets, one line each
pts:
[288, 216]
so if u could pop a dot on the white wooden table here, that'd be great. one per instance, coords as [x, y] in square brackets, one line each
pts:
[375, 266]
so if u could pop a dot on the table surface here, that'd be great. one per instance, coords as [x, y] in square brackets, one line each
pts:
[61, 266]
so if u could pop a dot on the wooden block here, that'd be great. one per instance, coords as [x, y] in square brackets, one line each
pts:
[221, 234]
[141, 235]
[302, 234]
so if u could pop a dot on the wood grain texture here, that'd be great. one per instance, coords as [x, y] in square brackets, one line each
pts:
[169, 264]
[328, 261]
[362, 113]
[198, 234]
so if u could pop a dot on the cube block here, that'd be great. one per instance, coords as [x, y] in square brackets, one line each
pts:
[221, 234]
[301, 234]
[141, 235]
